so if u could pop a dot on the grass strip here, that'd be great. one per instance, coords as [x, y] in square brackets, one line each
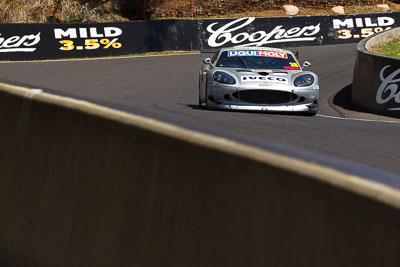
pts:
[390, 48]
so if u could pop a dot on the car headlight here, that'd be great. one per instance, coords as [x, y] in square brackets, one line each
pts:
[304, 80]
[223, 77]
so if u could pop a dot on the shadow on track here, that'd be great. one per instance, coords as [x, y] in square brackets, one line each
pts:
[343, 99]
[197, 107]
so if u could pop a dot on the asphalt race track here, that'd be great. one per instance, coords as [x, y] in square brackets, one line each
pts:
[166, 88]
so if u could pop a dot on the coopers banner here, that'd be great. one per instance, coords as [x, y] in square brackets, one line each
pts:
[54, 41]
[295, 31]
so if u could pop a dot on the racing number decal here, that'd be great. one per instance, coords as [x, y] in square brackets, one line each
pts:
[293, 66]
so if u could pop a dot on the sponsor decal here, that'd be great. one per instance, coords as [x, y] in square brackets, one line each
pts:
[263, 78]
[356, 28]
[223, 34]
[234, 53]
[19, 43]
[293, 66]
[264, 84]
[388, 89]
[91, 38]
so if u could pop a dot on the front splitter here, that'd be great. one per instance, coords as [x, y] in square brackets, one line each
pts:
[277, 108]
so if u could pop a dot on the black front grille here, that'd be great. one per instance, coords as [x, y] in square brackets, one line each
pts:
[265, 96]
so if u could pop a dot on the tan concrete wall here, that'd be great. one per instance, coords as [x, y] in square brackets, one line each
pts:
[82, 185]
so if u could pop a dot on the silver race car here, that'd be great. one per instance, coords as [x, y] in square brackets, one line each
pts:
[258, 79]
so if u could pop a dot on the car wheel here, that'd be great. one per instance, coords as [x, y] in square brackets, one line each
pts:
[201, 104]
[206, 98]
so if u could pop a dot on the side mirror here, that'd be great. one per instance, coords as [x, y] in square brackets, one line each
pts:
[306, 64]
[207, 61]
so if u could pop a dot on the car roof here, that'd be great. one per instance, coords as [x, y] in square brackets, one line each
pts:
[255, 48]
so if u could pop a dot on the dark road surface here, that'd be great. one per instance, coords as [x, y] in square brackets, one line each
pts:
[166, 88]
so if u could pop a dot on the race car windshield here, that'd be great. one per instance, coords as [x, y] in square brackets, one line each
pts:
[257, 59]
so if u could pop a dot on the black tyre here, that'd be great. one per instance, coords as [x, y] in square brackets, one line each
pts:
[201, 104]
[309, 114]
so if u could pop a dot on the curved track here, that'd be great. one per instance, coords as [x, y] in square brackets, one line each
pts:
[166, 88]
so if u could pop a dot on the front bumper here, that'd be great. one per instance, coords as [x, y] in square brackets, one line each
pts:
[269, 108]
[269, 100]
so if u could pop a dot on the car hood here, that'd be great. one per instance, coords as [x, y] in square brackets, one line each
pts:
[265, 76]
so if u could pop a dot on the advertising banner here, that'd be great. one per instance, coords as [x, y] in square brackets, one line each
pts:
[57, 41]
[294, 31]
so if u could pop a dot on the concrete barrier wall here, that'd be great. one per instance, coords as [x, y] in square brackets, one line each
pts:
[376, 80]
[78, 40]
[82, 185]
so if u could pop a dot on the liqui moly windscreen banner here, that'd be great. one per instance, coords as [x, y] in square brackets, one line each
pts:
[75, 40]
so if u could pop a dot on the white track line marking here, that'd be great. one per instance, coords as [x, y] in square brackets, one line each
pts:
[354, 119]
